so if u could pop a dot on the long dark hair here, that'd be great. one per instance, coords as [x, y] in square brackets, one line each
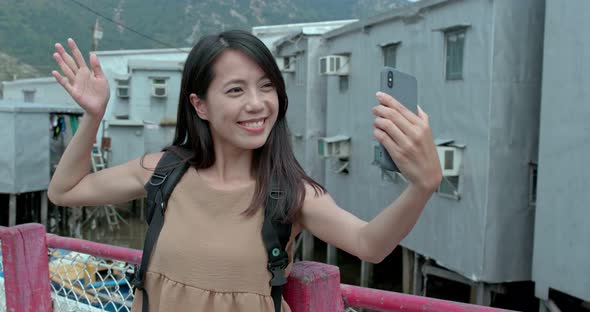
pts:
[274, 161]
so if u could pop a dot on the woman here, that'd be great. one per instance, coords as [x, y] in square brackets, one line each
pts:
[231, 119]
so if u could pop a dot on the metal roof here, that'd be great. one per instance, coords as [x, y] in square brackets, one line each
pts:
[142, 51]
[336, 138]
[309, 31]
[155, 65]
[30, 81]
[315, 28]
[409, 11]
[18, 106]
[126, 123]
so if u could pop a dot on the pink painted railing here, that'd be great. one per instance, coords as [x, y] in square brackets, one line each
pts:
[312, 286]
[386, 301]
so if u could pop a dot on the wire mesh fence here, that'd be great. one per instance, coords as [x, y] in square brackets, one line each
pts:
[82, 282]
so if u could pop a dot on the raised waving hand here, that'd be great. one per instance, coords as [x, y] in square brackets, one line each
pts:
[87, 86]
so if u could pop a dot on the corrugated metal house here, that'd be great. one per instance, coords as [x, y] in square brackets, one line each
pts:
[25, 153]
[28, 154]
[480, 83]
[297, 55]
[42, 90]
[117, 67]
[562, 221]
[158, 70]
[146, 105]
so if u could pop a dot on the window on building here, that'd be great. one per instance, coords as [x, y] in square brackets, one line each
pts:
[449, 187]
[455, 46]
[29, 96]
[389, 54]
[123, 88]
[289, 63]
[299, 70]
[532, 184]
[343, 83]
[159, 87]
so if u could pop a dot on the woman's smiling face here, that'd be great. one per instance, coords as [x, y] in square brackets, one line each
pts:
[241, 104]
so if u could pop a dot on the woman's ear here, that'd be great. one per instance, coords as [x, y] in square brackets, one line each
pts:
[199, 105]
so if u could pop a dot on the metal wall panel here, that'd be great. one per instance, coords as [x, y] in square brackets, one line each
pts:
[306, 114]
[562, 223]
[127, 142]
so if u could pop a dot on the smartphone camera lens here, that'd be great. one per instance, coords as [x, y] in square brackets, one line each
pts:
[390, 79]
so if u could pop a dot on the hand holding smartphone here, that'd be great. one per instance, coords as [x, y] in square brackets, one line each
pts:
[404, 88]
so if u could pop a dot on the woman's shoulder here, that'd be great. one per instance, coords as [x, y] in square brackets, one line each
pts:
[151, 160]
[148, 164]
[313, 191]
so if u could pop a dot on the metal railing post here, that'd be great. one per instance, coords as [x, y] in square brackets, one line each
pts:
[26, 268]
[314, 287]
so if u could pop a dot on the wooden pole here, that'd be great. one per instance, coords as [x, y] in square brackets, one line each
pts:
[408, 270]
[12, 210]
[308, 242]
[366, 274]
[481, 294]
[417, 287]
[44, 208]
[332, 255]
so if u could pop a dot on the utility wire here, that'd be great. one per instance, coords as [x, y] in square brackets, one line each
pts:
[124, 26]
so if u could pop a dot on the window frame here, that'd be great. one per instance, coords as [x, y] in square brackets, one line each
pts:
[460, 74]
[299, 68]
[29, 95]
[343, 83]
[393, 46]
[533, 183]
[457, 194]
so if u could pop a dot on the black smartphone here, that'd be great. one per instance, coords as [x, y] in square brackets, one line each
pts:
[404, 88]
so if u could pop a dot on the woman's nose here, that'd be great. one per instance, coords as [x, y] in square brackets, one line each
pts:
[255, 102]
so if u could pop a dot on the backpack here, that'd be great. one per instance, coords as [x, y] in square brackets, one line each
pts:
[275, 233]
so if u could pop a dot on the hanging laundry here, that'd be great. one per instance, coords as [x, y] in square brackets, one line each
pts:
[74, 123]
[59, 127]
[53, 121]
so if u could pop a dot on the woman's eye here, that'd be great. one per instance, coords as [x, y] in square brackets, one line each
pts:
[234, 90]
[268, 85]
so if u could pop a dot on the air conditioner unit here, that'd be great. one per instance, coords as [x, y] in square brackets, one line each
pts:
[159, 87]
[334, 65]
[123, 84]
[122, 91]
[286, 64]
[335, 146]
[450, 160]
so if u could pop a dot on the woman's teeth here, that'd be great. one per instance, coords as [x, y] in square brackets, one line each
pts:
[253, 124]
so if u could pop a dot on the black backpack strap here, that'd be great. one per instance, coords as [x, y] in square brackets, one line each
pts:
[275, 235]
[168, 172]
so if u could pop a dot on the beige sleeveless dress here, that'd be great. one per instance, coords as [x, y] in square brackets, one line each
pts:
[209, 257]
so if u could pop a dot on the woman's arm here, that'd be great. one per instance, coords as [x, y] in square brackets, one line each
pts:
[370, 241]
[408, 139]
[72, 183]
